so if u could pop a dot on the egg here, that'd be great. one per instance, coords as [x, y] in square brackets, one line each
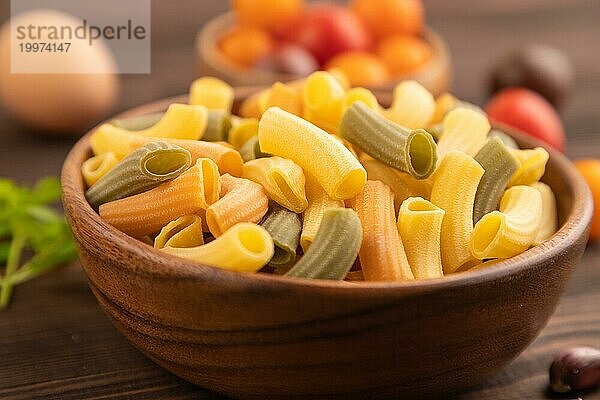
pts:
[58, 103]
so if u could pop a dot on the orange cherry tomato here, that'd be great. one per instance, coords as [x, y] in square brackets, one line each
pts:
[590, 170]
[245, 45]
[390, 17]
[267, 14]
[361, 68]
[404, 53]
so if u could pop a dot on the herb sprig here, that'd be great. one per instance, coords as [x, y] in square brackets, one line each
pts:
[34, 237]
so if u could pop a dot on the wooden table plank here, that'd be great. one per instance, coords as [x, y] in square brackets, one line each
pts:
[55, 343]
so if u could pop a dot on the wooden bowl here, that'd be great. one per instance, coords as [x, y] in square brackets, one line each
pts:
[435, 75]
[259, 336]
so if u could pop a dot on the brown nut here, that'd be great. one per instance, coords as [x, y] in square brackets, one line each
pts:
[575, 368]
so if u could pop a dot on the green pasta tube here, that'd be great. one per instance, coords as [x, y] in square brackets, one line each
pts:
[413, 152]
[436, 131]
[499, 165]
[250, 150]
[217, 126]
[506, 139]
[144, 169]
[284, 226]
[334, 248]
[138, 123]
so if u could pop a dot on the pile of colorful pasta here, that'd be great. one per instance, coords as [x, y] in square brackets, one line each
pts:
[316, 180]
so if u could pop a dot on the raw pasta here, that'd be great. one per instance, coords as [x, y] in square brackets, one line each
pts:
[185, 231]
[284, 226]
[212, 93]
[96, 167]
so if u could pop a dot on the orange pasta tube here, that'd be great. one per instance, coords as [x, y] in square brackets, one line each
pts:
[241, 201]
[381, 254]
[148, 212]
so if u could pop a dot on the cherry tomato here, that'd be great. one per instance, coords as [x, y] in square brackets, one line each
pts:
[361, 68]
[390, 17]
[528, 112]
[245, 45]
[590, 170]
[404, 53]
[267, 14]
[327, 30]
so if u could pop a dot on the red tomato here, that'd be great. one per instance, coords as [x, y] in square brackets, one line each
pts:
[326, 30]
[528, 112]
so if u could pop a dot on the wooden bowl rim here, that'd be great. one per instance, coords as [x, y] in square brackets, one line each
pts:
[207, 48]
[575, 225]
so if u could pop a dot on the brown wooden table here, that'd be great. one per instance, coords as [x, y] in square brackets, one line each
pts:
[56, 343]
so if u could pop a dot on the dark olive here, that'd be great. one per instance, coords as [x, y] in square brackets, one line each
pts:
[541, 68]
[576, 368]
[289, 59]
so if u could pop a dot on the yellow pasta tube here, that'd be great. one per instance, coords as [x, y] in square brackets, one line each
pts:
[242, 130]
[318, 201]
[532, 166]
[323, 101]
[381, 254]
[147, 212]
[454, 187]
[402, 184]
[245, 247]
[443, 104]
[185, 231]
[464, 129]
[420, 226]
[181, 121]
[361, 94]
[314, 150]
[227, 159]
[282, 179]
[339, 76]
[283, 96]
[549, 219]
[412, 106]
[96, 167]
[250, 106]
[241, 201]
[212, 93]
[512, 230]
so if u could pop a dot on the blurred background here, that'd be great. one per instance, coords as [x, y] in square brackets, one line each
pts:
[74, 348]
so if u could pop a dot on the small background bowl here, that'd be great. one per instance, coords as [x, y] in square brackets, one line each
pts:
[257, 336]
[435, 74]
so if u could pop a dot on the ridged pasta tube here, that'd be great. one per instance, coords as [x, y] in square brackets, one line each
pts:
[283, 96]
[443, 104]
[180, 121]
[227, 159]
[454, 187]
[402, 184]
[318, 201]
[138, 123]
[420, 226]
[148, 212]
[218, 124]
[323, 101]
[96, 167]
[335, 247]
[499, 165]
[314, 150]
[532, 166]
[185, 231]
[513, 229]
[212, 93]
[245, 247]
[282, 179]
[241, 201]
[412, 105]
[364, 95]
[242, 130]
[284, 226]
[381, 254]
[413, 152]
[549, 220]
[250, 150]
[506, 139]
[144, 169]
[464, 130]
